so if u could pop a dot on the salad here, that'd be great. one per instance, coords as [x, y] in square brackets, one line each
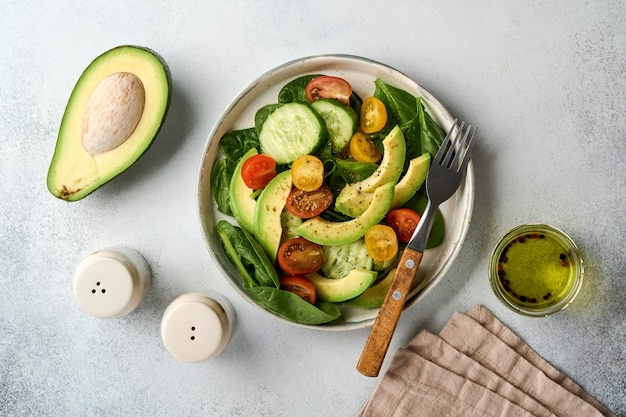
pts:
[323, 192]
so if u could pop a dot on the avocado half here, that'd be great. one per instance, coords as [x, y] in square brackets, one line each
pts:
[113, 114]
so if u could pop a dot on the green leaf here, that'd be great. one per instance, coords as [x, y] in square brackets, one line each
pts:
[252, 263]
[431, 135]
[230, 240]
[220, 181]
[262, 113]
[295, 90]
[400, 104]
[236, 143]
[438, 232]
[265, 272]
[291, 307]
[352, 171]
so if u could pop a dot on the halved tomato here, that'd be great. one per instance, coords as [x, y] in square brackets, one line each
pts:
[258, 170]
[307, 204]
[363, 149]
[307, 172]
[326, 86]
[381, 243]
[301, 286]
[299, 256]
[404, 221]
[373, 115]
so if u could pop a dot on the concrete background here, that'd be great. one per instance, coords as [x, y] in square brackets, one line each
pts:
[545, 80]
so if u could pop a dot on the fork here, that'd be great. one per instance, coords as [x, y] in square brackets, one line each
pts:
[444, 177]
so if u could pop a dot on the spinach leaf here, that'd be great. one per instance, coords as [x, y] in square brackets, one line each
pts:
[352, 171]
[236, 143]
[288, 305]
[295, 90]
[262, 113]
[233, 146]
[356, 103]
[402, 110]
[431, 135]
[265, 271]
[220, 181]
[246, 254]
[400, 104]
[229, 235]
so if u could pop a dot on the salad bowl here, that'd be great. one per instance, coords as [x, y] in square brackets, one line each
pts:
[361, 73]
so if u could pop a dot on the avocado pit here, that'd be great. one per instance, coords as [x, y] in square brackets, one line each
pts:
[112, 112]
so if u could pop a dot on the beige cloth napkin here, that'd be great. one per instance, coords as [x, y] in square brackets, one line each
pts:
[476, 367]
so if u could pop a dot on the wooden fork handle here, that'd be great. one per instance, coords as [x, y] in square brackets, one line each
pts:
[384, 326]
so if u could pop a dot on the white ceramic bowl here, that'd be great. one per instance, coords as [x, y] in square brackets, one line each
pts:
[361, 73]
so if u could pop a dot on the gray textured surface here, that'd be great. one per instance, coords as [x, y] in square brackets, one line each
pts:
[544, 80]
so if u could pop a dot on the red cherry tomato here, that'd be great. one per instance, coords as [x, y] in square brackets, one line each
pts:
[326, 86]
[298, 256]
[258, 171]
[307, 204]
[404, 222]
[301, 286]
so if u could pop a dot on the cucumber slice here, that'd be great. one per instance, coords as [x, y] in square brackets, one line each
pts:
[341, 121]
[340, 260]
[292, 130]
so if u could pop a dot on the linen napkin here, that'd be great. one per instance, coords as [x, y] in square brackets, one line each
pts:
[476, 367]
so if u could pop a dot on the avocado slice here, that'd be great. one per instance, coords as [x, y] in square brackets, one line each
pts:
[373, 297]
[411, 181]
[338, 290]
[242, 203]
[355, 198]
[324, 232]
[268, 227]
[113, 114]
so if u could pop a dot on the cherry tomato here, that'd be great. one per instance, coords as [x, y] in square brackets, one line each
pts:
[298, 256]
[307, 204]
[373, 115]
[363, 149]
[404, 221]
[307, 173]
[258, 171]
[301, 286]
[328, 87]
[381, 243]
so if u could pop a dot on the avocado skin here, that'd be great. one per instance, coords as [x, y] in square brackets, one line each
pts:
[56, 186]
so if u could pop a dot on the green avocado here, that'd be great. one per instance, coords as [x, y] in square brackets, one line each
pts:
[373, 297]
[268, 228]
[324, 232]
[242, 203]
[338, 290]
[355, 198]
[411, 181]
[114, 113]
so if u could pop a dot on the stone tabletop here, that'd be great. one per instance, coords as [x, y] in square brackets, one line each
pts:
[545, 80]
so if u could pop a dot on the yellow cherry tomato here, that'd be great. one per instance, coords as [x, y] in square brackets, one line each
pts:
[381, 243]
[307, 173]
[363, 149]
[373, 115]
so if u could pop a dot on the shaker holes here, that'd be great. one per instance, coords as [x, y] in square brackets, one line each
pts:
[93, 291]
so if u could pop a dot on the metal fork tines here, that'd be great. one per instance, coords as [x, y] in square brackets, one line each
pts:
[444, 177]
